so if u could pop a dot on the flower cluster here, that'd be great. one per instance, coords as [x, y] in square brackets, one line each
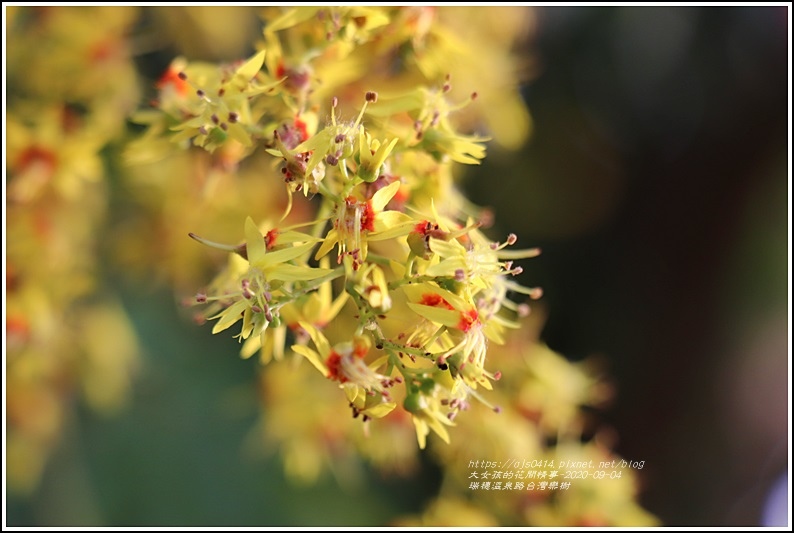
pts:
[423, 320]
[356, 270]
[391, 239]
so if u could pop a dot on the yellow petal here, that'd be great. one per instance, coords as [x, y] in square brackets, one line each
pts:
[282, 256]
[229, 316]
[330, 240]
[296, 273]
[251, 346]
[380, 410]
[251, 67]
[318, 338]
[384, 195]
[255, 242]
[291, 18]
[446, 317]
[312, 356]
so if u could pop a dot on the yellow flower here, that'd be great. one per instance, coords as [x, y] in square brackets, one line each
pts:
[423, 401]
[372, 154]
[357, 221]
[50, 149]
[432, 129]
[462, 343]
[219, 106]
[316, 308]
[365, 388]
[267, 283]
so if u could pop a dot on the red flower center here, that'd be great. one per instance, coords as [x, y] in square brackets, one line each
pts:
[171, 77]
[467, 320]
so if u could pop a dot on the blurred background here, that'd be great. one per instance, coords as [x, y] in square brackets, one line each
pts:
[656, 181]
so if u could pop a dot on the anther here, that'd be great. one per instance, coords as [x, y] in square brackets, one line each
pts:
[460, 274]
[200, 93]
[182, 76]
[201, 298]
[215, 119]
[233, 117]
[523, 310]
[486, 218]
[511, 239]
[372, 97]
[536, 293]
